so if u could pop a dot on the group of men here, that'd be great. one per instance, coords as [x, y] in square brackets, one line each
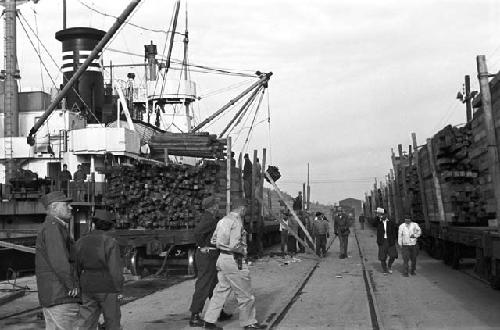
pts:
[77, 281]
[79, 177]
[388, 234]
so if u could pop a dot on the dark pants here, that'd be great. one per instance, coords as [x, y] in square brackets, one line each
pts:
[247, 186]
[206, 280]
[302, 236]
[321, 244]
[362, 225]
[283, 239]
[343, 245]
[409, 253]
[292, 244]
[93, 304]
[384, 251]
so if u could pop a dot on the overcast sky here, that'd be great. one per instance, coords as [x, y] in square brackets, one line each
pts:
[352, 79]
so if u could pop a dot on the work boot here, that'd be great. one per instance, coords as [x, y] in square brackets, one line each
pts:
[213, 326]
[412, 272]
[196, 320]
[389, 270]
[256, 326]
[225, 316]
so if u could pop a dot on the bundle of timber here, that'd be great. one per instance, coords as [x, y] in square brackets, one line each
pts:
[163, 196]
[457, 175]
[202, 145]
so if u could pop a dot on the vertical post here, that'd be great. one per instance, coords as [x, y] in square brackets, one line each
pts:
[397, 195]
[260, 234]
[437, 185]
[489, 121]
[165, 155]
[64, 14]
[264, 160]
[240, 176]
[308, 190]
[303, 196]
[468, 105]
[252, 194]
[228, 178]
[421, 186]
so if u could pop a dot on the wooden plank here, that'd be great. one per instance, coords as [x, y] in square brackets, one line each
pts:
[437, 185]
[17, 247]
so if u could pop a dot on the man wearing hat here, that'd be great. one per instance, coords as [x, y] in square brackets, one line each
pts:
[341, 228]
[205, 258]
[387, 235]
[321, 231]
[100, 268]
[55, 268]
[408, 233]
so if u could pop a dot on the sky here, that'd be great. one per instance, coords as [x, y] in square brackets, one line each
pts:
[352, 79]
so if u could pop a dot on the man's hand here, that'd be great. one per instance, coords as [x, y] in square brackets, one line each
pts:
[74, 293]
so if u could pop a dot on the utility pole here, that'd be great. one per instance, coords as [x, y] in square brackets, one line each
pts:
[308, 190]
[467, 100]
[494, 170]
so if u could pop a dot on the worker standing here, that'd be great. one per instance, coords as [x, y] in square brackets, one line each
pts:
[297, 207]
[408, 233]
[362, 221]
[293, 227]
[79, 176]
[247, 177]
[65, 178]
[283, 234]
[101, 274]
[55, 267]
[233, 273]
[341, 229]
[387, 232]
[206, 259]
[321, 232]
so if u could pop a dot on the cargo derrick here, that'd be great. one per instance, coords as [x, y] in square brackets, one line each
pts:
[458, 184]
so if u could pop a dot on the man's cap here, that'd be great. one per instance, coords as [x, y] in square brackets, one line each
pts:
[318, 214]
[208, 202]
[104, 215]
[407, 217]
[54, 196]
[380, 210]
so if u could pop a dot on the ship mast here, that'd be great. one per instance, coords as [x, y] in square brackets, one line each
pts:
[185, 66]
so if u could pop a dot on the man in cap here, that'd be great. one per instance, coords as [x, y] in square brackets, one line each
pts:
[387, 232]
[321, 231]
[55, 268]
[341, 228]
[100, 268]
[233, 274]
[205, 258]
[408, 233]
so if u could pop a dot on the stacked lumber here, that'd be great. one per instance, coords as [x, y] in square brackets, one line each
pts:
[201, 145]
[164, 196]
[457, 175]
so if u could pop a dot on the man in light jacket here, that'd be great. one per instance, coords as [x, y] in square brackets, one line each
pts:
[408, 233]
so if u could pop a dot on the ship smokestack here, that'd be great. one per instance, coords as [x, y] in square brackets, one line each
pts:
[87, 94]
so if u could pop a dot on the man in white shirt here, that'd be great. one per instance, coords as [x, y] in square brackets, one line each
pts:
[408, 233]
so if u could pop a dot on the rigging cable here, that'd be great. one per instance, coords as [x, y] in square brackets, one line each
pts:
[129, 23]
[253, 121]
[269, 126]
[36, 26]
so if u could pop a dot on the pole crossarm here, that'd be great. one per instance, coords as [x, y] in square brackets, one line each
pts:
[264, 78]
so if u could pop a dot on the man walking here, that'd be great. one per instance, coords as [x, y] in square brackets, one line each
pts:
[408, 233]
[101, 274]
[233, 274]
[55, 269]
[205, 258]
[387, 233]
[362, 221]
[341, 229]
[321, 231]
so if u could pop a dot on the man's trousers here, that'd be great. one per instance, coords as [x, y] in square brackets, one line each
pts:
[409, 253]
[61, 317]
[321, 244]
[238, 281]
[93, 304]
[206, 279]
[344, 239]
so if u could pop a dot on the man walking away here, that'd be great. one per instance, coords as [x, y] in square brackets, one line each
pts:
[321, 231]
[55, 269]
[387, 233]
[205, 258]
[362, 221]
[341, 229]
[408, 233]
[101, 274]
[233, 273]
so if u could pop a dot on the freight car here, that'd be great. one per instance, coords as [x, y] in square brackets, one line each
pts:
[447, 184]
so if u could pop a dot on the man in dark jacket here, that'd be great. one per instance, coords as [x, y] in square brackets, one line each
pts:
[247, 177]
[341, 228]
[205, 258]
[54, 265]
[321, 232]
[387, 237]
[101, 274]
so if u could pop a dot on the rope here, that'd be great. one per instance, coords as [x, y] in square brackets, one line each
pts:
[36, 26]
[269, 125]
[254, 117]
